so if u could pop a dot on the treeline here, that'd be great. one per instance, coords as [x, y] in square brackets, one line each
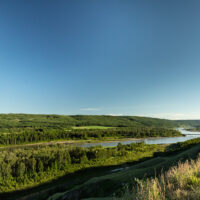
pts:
[178, 147]
[10, 136]
[23, 167]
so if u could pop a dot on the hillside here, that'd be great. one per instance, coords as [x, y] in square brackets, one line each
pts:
[30, 120]
[105, 186]
[178, 183]
[187, 123]
[113, 183]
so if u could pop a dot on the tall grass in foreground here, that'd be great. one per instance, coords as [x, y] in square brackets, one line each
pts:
[181, 182]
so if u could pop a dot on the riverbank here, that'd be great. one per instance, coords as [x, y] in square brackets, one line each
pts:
[50, 163]
[84, 143]
[111, 142]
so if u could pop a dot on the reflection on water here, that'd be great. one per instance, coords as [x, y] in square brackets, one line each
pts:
[165, 140]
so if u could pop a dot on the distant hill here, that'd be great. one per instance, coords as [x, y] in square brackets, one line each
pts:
[193, 123]
[39, 120]
[26, 120]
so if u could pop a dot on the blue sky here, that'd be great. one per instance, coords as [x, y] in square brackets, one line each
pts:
[119, 57]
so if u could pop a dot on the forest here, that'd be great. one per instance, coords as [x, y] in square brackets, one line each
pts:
[29, 166]
[15, 136]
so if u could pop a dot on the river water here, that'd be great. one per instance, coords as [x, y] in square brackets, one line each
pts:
[188, 135]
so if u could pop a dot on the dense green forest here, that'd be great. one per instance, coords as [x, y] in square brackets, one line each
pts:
[28, 135]
[29, 166]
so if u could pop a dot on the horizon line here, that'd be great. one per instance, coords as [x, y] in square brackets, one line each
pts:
[113, 115]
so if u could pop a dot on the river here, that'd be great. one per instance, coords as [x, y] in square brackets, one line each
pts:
[188, 135]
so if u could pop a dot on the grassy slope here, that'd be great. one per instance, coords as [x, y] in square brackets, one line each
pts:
[179, 182]
[104, 186]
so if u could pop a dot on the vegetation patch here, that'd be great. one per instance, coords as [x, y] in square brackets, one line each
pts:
[117, 183]
[26, 167]
[40, 134]
[91, 127]
[178, 183]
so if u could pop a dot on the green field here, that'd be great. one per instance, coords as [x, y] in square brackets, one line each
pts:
[91, 127]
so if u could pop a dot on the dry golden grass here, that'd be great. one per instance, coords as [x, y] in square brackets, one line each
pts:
[181, 182]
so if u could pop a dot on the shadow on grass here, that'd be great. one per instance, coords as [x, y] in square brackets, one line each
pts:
[67, 182]
[144, 167]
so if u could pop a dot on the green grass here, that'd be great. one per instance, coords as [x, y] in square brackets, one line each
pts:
[179, 182]
[91, 127]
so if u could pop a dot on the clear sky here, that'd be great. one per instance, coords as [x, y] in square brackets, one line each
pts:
[120, 57]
